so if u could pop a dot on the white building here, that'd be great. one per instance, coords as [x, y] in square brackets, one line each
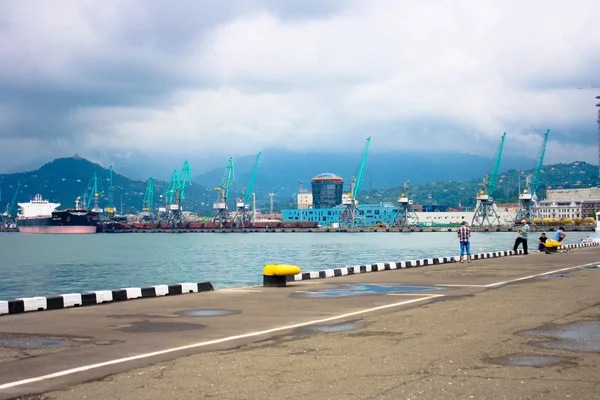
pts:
[570, 203]
[305, 200]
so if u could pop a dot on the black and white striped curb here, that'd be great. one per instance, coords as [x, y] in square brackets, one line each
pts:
[361, 269]
[26, 304]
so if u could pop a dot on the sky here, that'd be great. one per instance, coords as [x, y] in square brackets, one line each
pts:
[204, 80]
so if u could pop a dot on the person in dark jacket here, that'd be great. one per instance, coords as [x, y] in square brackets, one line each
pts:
[542, 242]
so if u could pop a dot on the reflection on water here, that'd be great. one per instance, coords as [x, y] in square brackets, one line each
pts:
[40, 265]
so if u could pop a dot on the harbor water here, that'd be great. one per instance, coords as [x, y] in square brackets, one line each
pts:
[45, 265]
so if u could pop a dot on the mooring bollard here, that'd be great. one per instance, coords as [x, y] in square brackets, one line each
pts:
[274, 275]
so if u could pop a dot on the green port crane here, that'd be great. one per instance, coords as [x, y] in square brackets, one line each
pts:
[528, 208]
[349, 217]
[110, 209]
[486, 214]
[172, 213]
[9, 218]
[92, 194]
[220, 206]
[243, 216]
[406, 217]
[148, 202]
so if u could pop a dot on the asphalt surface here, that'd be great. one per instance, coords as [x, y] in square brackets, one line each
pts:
[468, 336]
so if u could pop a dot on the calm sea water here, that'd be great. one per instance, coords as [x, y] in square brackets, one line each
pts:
[42, 265]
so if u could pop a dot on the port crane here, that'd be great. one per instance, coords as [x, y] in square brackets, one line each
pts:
[8, 218]
[220, 206]
[243, 216]
[349, 217]
[172, 213]
[148, 202]
[406, 216]
[528, 208]
[111, 209]
[92, 194]
[595, 87]
[485, 212]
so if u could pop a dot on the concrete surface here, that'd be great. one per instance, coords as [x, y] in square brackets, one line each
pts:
[449, 347]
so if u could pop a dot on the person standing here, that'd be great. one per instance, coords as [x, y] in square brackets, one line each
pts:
[522, 238]
[542, 242]
[464, 233]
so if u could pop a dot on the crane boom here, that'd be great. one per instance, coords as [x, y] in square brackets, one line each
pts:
[228, 178]
[185, 177]
[250, 186]
[494, 175]
[95, 191]
[174, 185]
[10, 208]
[148, 202]
[538, 169]
[361, 170]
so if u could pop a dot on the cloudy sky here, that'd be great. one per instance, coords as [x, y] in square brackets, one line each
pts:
[204, 79]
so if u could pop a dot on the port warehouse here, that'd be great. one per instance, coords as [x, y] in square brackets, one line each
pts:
[563, 206]
[327, 197]
[374, 215]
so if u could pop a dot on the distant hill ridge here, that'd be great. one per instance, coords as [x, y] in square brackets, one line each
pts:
[434, 178]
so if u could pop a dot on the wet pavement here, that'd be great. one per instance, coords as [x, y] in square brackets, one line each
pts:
[581, 336]
[530, 360]
[439, 330]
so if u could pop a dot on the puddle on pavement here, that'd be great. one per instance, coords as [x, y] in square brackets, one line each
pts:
[592, 267]
[333, 328]
[552, 276]
[582, 336]
[529, 360]
[156, 327]
[361, 289]
[34, 342]
[207, 313]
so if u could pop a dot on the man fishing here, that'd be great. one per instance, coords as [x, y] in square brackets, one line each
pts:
[464, 233]
[522, 238]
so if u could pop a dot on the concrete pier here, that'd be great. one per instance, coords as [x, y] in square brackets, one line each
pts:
[469, 331]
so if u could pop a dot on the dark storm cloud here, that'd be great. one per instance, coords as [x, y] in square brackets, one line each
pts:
[116, 73]
[231, 75]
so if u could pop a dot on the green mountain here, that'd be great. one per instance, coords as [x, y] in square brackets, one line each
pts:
[64, 179]
[462, 194]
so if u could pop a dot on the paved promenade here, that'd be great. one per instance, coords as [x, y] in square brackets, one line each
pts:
[520, 327]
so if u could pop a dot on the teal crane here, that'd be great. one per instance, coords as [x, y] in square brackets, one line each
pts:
[148, 202]
[243, 215]
[9, 217]
[528, 208]
[406, 217]
[485, 212]
[173, 211]
[111, 210]
[537, 174]
[220, 206]
[92, 194]
[349, 217]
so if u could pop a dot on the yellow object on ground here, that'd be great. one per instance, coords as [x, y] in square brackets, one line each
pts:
[553, 243]
[281, 270]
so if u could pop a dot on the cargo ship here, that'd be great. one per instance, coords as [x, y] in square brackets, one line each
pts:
[41, 216]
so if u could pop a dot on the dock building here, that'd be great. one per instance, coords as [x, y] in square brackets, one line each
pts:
[327, 190]
[327, 198]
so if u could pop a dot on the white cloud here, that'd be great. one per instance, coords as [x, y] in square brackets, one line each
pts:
[421, 75]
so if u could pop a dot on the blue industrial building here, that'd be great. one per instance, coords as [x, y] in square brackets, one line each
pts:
[370, 214]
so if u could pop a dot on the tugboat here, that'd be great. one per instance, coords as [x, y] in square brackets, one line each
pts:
[41, 216]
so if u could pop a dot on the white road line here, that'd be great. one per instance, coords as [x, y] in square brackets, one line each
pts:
[415, 294]
[208, 343]
[538, 275]
[458, 285]
[518, 279]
